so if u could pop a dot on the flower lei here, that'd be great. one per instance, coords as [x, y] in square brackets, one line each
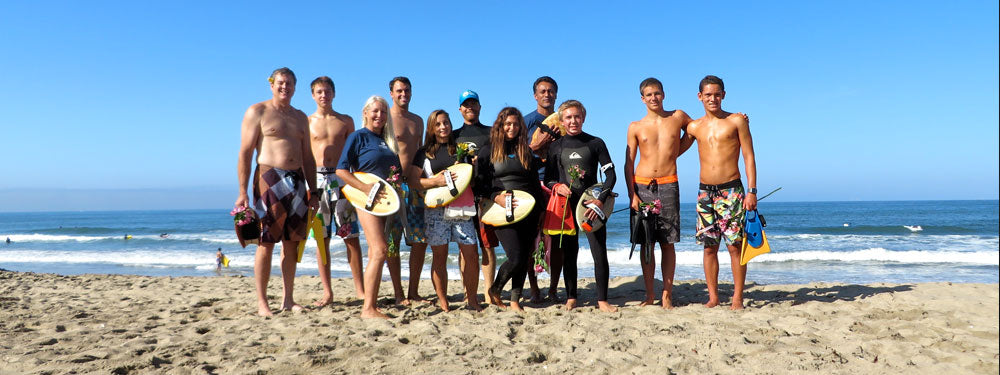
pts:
[394, 179]
[653, 207]
[241, 215]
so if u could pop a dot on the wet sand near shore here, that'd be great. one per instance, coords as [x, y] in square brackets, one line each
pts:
[120, 324]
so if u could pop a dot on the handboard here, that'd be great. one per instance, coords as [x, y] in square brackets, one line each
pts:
[496, 215]
[444, 195]
[359, 199]
[314, 225]
[581, 210]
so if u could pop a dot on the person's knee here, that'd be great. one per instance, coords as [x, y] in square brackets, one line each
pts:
[712, 250]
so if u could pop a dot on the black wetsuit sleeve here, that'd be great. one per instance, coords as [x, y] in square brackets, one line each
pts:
[552, 164]
[604, 160]
[483, 186]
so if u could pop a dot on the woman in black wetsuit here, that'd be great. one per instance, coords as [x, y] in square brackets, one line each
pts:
[590, 155]
[507, 164]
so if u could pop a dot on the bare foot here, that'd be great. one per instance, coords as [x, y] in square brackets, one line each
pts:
[554, 297]
[536, 297]
[264, 310]
[737, 304]
[648, 302]
[417, 298]
[373, 313]
[495, 299]
[293, 308]
[474, 306]
[666, 301]
[516, 306]
[606, 307]
[443, 304]
[570, 304]
[402, 301]
[323, 302]
[712, 303]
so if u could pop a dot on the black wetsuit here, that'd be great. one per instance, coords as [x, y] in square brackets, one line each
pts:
[591, 155]
[517, 239]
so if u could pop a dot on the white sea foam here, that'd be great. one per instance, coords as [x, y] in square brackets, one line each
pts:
[619, 256]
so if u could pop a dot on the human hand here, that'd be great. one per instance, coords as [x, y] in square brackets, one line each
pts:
[241, 200]
[501, 200]
[750, 202]
[635, 202]
[563, 190]
[439, 179]
[745, 117]
[591, 215]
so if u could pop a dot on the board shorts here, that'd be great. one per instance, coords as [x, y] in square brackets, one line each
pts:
[344, 221]
[413, 222]
[720, 213]
[280, 200]
[667, 226]
[441, 230]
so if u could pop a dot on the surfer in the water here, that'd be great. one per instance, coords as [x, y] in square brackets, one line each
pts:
[409, 130]
[507, 164]
[722, 138]
[328, 131]
[372, 149]
[218, 259]
[451, 223]
[279, 134]
[579, 151]
[657, 139]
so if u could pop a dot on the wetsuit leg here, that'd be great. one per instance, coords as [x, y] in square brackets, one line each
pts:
[571, 251]
[598, 248]
[518, 249]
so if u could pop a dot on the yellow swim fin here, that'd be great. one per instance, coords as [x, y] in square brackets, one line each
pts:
[749, 252]
[316, 226]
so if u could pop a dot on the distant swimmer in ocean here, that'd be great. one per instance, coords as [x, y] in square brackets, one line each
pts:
[279, 133]
[722, 203]
[218, 259]
[163, 235]
[8, 240]
[127, 236]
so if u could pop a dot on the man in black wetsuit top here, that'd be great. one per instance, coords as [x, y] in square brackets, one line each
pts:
[473, 131]
[574, 162]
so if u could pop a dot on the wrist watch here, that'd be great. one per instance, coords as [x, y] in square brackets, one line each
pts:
[752, 190]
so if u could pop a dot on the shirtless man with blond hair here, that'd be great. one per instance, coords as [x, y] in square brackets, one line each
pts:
[329, 130]
[279, 134]
[409, 135]
[722, 203]
[657, 139]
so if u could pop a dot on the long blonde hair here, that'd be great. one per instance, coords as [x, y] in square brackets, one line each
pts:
[497, 139]
[388, 133]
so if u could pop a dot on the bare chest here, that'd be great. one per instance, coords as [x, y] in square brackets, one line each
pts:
[277, 125]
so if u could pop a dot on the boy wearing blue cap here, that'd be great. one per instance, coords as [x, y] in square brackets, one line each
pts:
[475, 133]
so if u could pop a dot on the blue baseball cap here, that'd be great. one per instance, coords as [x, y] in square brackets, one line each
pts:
[466, 95]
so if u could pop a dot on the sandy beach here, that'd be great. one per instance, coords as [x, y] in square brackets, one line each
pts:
[52, 324]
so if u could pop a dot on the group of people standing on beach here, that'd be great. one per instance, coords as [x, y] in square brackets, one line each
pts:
[304, 161]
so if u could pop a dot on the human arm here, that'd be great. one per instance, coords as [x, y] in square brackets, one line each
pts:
[749, 160]
[631, 145]
[541, 141]
[308, 161]
[249, 139]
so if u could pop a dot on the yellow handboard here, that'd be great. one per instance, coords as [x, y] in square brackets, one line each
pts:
[444, 195]
[360, 200]
[749, 252]
[315, 225]
[496, 215]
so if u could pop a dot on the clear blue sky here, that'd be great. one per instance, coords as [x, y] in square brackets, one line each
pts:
[138, 104]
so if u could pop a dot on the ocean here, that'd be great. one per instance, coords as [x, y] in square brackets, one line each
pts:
[848, 242]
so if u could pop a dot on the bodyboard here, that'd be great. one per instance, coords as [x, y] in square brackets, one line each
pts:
[558, 218]
[359, 199]
[444, 195]
[496, 215]
[581, 210]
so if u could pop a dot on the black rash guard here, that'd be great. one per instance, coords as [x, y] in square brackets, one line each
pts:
[591, 155]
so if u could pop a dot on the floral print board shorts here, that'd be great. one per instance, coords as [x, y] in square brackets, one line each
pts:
[667, 228]
[441, 231]
[344, 218]
[720, 213]
[413, 222]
